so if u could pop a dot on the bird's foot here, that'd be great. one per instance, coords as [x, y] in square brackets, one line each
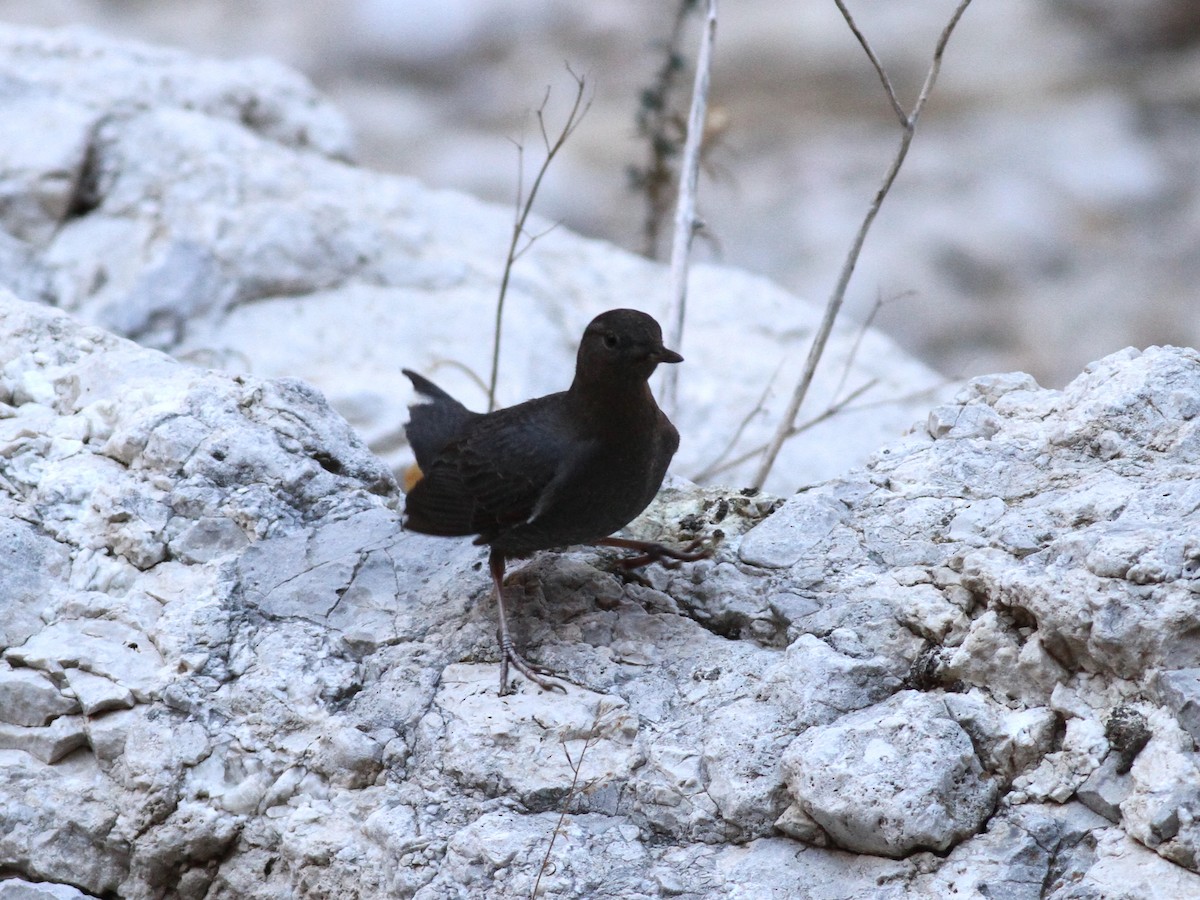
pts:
[508, 652]
[652, 551]
[536, 674]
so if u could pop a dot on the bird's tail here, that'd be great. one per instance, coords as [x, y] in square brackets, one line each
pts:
[435, 422]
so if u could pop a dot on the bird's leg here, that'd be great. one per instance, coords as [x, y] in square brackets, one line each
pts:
[508, 652]
[651, 551]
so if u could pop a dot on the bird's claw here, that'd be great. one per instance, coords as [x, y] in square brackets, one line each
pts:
[672, 557]
[663, 554]
[536, 674]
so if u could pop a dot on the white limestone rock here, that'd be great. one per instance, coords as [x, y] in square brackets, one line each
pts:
[30, 565]
[1032, 851]
[103, 617]
[19, 889]
[1106, 789]
[1180, 691]
[102, 647]
[1007, 741]
[896, 777]
[1124, 869]
[1162, 809]
[49, 743]
[962, 539]
[315, 702]
[584, 739]
[28, 697]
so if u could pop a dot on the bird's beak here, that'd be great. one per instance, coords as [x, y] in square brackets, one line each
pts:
[663, 355]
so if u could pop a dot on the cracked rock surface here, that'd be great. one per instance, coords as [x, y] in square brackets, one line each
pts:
[228, 673]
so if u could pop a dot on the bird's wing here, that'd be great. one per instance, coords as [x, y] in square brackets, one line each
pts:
[489, 477]
[513, 461]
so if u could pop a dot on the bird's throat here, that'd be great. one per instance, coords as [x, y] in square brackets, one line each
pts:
[616, 406]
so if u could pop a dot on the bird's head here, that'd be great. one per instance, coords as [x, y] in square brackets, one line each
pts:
[621, 345]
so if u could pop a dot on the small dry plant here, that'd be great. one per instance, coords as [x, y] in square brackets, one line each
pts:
[576, 764]
[908, 127]
[521, 240]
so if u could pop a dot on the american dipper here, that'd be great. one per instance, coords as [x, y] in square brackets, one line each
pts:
[567, 468]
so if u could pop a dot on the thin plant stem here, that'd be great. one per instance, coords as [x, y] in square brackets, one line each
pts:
[661, 128]
[685, 207]
[576, 765]
[759, 408]
[830, 411]
[524, 205]
[833, 307]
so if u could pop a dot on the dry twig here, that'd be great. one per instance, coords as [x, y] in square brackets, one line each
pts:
[760, 408]
[862, 333]
[664, 131]
[908, 125]
[524, 205]
[685, 208]
[716, 467]
[576, 765]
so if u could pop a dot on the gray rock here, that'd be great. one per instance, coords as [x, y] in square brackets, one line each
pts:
[585, 739]
[107, 732]
[96, 693]
[795, 530]
[50, 743]
[1105, 789]
[105, 648]
[17, 889]
[1126, 870]
[1026, 853]
[30, 564]
[1007, 741]
[1180, 691]
[896, 777]
[1164, 814]
[797, 824]
[326, 687]
[28, 697]
[813, 684]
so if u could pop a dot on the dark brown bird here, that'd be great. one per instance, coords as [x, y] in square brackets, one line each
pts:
[567, 468]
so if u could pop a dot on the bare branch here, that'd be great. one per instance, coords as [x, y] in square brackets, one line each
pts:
[834, 306]
[541, 120]
[863, 328]
[718, 464]
[520, 202]
[532, 239]
[759, 408]
[572, 791]
[663, 130]
[524, 205]
[831, 411]
[879, 70]
[685, 208]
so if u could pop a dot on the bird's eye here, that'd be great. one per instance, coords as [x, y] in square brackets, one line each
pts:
[610, 341]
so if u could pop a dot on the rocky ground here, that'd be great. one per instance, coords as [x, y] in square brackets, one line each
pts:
[970, 667]
[966, 665]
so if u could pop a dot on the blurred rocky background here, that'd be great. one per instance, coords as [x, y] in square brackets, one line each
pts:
[1048, 212]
